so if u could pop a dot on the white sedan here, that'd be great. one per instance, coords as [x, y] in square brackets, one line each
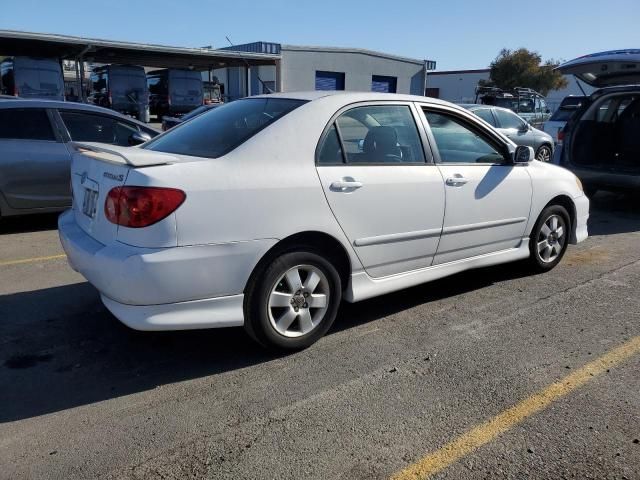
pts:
[268, 211]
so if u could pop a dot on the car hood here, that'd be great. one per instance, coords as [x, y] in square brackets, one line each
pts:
[605, 69]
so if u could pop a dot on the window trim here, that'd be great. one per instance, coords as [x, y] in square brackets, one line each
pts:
[467, 120]
[428, 156]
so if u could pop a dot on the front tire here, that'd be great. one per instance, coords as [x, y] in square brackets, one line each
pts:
[549, 238]
[293, 302]
[544, 153]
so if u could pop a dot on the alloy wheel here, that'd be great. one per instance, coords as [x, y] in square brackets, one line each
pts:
[544, 154]
[551, 238]
[298, 301]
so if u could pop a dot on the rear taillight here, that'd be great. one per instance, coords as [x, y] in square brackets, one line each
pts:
[560, 135]
[137, 207]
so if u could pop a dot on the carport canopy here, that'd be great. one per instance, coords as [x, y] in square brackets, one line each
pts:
[14, 43]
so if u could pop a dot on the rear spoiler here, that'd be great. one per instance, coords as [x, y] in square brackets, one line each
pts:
[135, 157]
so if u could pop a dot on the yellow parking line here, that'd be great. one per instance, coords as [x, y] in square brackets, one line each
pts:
[487, 431]
[32, 260]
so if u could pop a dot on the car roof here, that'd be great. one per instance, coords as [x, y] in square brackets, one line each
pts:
[352, 97]
[17, 102]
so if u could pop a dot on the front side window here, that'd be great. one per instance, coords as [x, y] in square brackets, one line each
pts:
[84, 127]
[486, 115]
[25, 124]
[222, 129]
[509, 119]
[459, 143]
[380, 134]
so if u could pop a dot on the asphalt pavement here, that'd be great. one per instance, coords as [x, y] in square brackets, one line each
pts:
[492, 373]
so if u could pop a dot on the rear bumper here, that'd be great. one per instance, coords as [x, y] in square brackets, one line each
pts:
[168, 288]
[605, 179]
[208, 313]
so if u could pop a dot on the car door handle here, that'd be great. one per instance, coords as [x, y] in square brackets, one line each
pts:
[456, 181]
[345, 185]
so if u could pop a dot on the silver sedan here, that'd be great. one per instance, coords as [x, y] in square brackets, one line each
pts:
[516, 128]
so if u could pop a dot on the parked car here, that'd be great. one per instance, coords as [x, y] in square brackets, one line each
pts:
[29, 77]
[558, 120]
[516, 128]
[174, 91]
[265, 213]
[35, 141]
[170, 122]
[122, 88]
[529, 104]
[601, 142]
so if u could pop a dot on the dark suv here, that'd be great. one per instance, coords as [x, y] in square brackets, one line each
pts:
[526, 102]
[122, 88]
[601, 141]
[174, 91]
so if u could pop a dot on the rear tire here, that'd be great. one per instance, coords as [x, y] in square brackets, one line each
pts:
[549, 238]
[544, 153]
[293, 301]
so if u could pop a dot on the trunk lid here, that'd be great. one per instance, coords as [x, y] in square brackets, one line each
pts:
[95, 170]
[606, 69]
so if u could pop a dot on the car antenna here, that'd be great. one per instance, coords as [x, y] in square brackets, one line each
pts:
[264, 85]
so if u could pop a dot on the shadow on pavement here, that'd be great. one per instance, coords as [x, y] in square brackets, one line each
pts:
[613, 213]
[29, 223]
[66, 350]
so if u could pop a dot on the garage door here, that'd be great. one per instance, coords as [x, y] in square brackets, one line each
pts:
[329, 81]
[383, 84]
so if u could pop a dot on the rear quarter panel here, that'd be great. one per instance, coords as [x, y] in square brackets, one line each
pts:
[267, 188]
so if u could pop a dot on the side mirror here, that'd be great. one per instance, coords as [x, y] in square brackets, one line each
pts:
[524, 127]
[523, 155]
[137, 138]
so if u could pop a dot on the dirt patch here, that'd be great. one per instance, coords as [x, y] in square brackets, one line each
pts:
[581, 257]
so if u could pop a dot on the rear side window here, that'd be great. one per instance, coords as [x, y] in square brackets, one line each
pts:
[83, 127]
[25, 124]
[380, 134]
[217, 132]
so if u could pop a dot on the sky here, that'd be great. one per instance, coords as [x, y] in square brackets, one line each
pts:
[457, 34]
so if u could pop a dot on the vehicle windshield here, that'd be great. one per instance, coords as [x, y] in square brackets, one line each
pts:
[39, 81]
[222, 129]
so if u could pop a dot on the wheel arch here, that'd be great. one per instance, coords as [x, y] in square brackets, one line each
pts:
[318, 241]
[566, 202]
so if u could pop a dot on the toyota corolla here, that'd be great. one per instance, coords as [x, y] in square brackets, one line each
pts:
[269, 211]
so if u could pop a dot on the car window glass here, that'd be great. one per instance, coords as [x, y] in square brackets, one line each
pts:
[220, 130]
[123, 132]
[25, 124]
[509, 119]
[458, 143]
[380, 134]
[602, 114]
[330, 151]
[526, 105]
[486, 115]
[84, 127]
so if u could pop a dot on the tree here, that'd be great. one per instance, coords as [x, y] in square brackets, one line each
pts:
[523, 68]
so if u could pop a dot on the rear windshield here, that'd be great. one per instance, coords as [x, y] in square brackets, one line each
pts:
[217, 132]
[39, 81]
[563, 114]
